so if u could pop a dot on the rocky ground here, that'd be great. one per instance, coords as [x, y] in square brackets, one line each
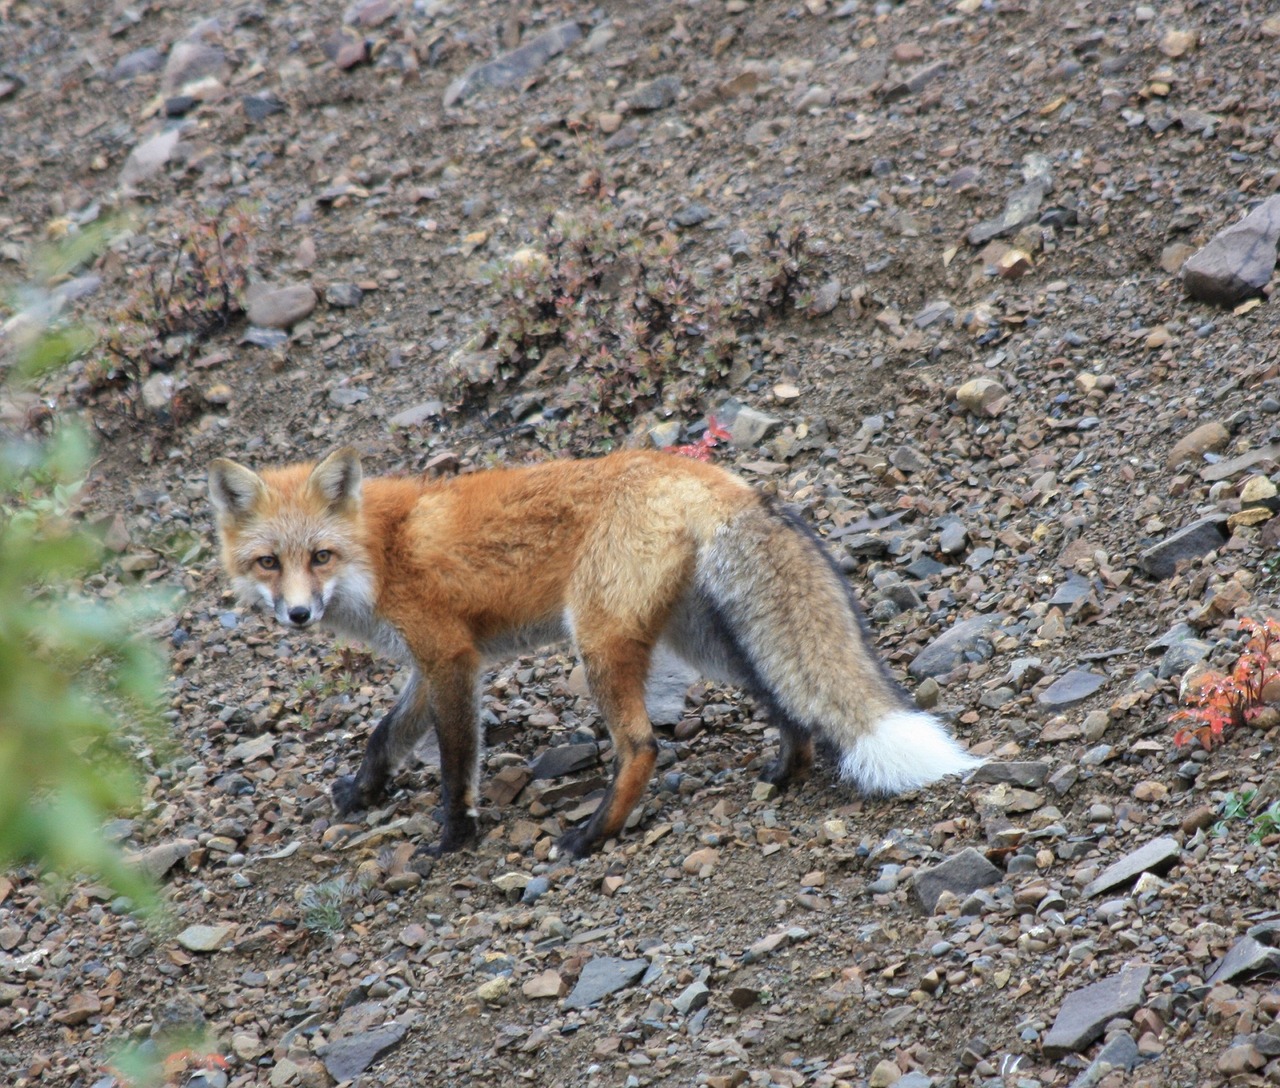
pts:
[997, 400]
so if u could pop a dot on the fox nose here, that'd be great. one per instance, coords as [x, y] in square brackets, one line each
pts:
[299, 614]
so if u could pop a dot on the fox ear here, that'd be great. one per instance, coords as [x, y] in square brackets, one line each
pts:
[337, 479]
[234, 490]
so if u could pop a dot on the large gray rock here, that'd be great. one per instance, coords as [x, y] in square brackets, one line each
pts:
[516, 66]
[347, 1058]
[1085, 1013]
[1153, 857]
[1253, 953]
[966, 872]
[603, 976]
[949, 650]
[280, 307]
[1161, 560]
[1238, 261]
[1027, 773]
[1071, 688]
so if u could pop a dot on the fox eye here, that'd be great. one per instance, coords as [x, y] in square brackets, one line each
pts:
[269, 562]
[321, 557]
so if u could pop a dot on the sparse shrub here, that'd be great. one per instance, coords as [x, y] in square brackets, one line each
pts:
[166, 1059]
[1222, 701]
[192, 290]
[618, 321]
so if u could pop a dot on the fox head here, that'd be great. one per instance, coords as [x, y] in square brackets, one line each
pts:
[293, 536]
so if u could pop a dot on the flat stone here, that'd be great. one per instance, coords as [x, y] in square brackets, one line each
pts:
[953, 647]
[280, 307]
[1119, 1053]
[1086, 1011]
[157, 860]
[345, 47]
[149, 157]
[657, 94]
[981, 396]
[1181, 656]
[1237, 262]
[515, 66]
[140, 62]
[545, 984]
[1206, 535]
[1233, 466]
[192, 62]
[1030, 773]
[965, 872]
[347, 1058]
[747, 427]
[418, 414]
[564, 759]
[692, 998]
[204, 938]
[343, 295]
[1022, 207]
[79, 1008]
[1252, 954]
[909, 459]
[915, 82]
[1156, 856]
[258, 107]
[603, 976]
[1204, 439]
[1071, 688]
[952, 538]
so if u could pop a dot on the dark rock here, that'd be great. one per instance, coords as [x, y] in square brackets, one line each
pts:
[1120, 1053]
[347, 1058]
[1181, 656]
[258, 107]
[1154, 857]
[343, 295]
[140, 62]
[1086, 1012]
[564, 759]
[1161, 560]
[914, 83]
[1067, 690]
[966, 872]
[1237, 262]
[1030, 774]
[603, 976]
[657, 94]
[513, 67]
[949, 650]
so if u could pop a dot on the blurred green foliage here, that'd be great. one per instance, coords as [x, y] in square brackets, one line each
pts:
[78, 685]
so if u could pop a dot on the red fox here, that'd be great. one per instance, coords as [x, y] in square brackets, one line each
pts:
[618, 554]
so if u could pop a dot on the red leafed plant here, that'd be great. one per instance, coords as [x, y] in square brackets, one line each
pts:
[1221, 700]
[701, 449]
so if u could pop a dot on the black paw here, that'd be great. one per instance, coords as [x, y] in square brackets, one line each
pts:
[460, 832]
[347, 796]
[777, 773]
[577, 843]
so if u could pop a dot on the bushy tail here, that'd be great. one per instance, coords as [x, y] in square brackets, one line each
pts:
[799, 636]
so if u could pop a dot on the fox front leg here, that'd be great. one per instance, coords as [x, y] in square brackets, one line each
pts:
[391, 742]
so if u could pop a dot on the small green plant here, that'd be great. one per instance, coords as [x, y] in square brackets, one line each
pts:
[1266, 823]
[325, 906]
[1234, 807]
[1222, 701]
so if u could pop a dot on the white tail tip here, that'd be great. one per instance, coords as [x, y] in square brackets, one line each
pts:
[906, 750]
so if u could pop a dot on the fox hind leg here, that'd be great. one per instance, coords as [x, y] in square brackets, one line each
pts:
[795, 756]
[616, 673]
